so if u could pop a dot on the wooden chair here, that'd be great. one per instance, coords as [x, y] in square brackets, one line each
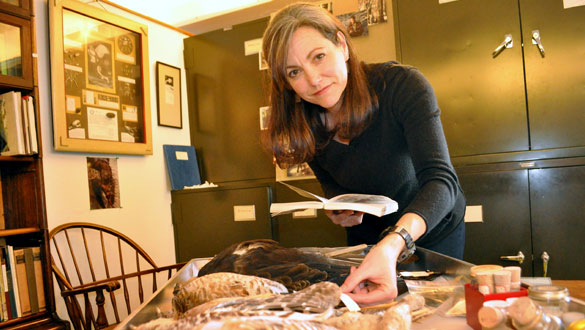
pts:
[88, 259]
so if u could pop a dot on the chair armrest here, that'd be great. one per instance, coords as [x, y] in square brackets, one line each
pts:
[174, 266]
[108, 286]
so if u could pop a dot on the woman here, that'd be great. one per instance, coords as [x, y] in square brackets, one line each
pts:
[372, 129]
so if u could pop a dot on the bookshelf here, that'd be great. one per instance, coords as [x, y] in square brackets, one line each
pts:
[23, 223]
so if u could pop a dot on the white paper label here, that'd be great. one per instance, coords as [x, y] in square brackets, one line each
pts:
[89, 97]
[573, 3]
[129, 113]
[70, 104]
[446, 1]
[474, 213]
[124, 57]
[244, 213]
[73, 68]
[102, 124]
[128, 80]
[182, 155]
[252, 46]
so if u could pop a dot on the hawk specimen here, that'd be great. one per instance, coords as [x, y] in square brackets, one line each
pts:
[292, 267]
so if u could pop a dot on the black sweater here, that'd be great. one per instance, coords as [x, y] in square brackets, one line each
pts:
[402, 154]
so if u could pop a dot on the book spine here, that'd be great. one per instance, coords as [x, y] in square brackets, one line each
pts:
[31, 280]
[3, 283]
[22, 283]
[2, 219]
[33, 125]
[12, 284]
[24, 119]
[7, 282]
[38, 265]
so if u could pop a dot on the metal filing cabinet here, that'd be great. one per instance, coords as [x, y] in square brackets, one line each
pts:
[521, 99]
[532, 209]
[208, 220]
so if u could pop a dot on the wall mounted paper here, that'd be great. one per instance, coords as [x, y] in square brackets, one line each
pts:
[182, 166]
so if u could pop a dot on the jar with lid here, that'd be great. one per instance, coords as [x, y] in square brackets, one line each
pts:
[554, 299]
[525, 314]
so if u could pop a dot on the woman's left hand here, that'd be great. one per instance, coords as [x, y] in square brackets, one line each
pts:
[345, 218]
[374, 281]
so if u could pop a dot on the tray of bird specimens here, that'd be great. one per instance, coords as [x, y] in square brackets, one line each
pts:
[160, 304]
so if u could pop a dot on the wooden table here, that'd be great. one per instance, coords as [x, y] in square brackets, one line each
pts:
[576, 287]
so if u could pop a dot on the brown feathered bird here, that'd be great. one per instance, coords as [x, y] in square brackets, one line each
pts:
[292, 267]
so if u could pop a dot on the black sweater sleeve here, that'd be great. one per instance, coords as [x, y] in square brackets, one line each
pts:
[418, 113]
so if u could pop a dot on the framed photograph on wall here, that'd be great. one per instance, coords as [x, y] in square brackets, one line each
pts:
[294, 172]
[168, 95]
[100, 81]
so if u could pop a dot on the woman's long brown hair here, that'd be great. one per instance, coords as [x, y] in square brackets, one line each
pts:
[292, 122]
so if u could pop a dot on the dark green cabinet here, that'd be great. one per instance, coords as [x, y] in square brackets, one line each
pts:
[226, 92]
[209, 220]
[521, 100]
[535, 208]
[557, 201]
[317, 230]
[509, 79]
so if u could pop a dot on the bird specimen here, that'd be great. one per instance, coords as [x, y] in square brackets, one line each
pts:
[199, 290]
[310, 308]
[316, 302]
[292, 267]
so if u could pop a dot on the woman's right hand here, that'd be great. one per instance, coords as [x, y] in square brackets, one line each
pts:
[345, 218]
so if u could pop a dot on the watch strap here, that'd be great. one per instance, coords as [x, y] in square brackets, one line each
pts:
[409, 246]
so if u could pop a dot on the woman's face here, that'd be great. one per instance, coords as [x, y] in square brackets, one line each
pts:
[316, 68]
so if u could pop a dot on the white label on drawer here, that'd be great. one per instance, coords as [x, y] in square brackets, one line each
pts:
[244, 213]
[474, 213]
[573, 3]
[445, 1]
[308, 213]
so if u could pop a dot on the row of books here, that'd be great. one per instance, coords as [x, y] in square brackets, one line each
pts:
[18, 127]
[21, 282]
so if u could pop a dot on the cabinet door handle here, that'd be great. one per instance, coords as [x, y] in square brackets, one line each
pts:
[518, 258]
[536, 41]
[545, 258]
[507, 43]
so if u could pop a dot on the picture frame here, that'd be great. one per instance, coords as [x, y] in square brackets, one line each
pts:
[168, 95]
[294, 172]
[100, 81]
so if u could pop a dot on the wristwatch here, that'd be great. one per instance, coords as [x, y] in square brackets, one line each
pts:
[409, 246]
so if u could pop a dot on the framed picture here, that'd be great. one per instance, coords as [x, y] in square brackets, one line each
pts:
[168, 95]
[295, 172]
[100, 81]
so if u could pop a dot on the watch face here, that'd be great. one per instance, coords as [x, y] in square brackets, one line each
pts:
[125, 44]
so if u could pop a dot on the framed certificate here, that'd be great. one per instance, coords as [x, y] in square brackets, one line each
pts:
[100, 81]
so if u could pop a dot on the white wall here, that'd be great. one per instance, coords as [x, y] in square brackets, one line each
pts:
[145, 215]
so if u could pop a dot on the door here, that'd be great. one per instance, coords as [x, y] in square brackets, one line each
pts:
[555, 83]
[481, 97]
[225, 95]
[503, 198]
[557, 197]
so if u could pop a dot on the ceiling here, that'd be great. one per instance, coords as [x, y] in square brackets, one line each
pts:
[183, 12]
[200, 16]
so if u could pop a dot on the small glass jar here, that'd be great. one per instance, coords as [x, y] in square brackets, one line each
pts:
[554, 299]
